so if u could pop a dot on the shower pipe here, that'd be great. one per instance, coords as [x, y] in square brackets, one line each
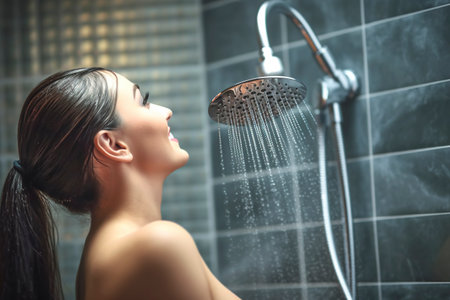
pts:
[336, 87]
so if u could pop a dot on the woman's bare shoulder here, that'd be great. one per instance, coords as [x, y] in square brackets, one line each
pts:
[158, 261]
[171, 244]
[162, 234]
[157, 242]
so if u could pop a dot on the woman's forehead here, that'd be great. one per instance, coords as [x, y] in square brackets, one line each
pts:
[118, 78]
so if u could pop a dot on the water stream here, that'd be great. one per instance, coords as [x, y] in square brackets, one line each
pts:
[267, 167]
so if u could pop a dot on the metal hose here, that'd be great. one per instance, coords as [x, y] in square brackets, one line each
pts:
[345, 193]
[335, 110]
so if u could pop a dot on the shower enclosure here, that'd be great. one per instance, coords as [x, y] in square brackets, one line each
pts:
[185, 52]
[261, 99]
[396, 141]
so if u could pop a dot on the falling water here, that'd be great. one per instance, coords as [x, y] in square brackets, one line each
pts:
[260, 185]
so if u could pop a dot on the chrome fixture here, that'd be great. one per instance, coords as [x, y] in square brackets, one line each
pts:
[234, 106]
[271, 65]
[335, 87]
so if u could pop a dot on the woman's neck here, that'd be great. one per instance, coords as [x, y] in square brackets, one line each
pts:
[128, 197]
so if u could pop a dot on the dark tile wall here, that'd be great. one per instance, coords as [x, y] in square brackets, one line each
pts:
[273, 294]
[232, 28]
[413, 183]
[397, 142]
[347, 52]
[249, 258]
[425, 105]
[416, 291]
[345, 14]
[408, 51]
[382, 9]
[414, 249]
[258, 205]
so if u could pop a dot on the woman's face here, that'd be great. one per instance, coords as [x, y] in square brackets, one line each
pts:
[144, 128]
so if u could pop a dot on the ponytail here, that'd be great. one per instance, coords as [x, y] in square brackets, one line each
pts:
[28, 261]
[58, 122]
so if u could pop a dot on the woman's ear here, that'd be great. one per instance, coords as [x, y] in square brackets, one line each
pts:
[109, 146]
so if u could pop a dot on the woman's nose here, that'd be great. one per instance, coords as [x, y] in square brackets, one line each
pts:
[167, 112]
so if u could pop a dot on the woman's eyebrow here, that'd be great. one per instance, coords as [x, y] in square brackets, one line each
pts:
[135, 87]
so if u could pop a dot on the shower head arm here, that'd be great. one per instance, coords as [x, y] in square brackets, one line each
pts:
[321, 54]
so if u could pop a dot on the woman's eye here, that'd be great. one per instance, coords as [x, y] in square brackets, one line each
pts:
[145, 100]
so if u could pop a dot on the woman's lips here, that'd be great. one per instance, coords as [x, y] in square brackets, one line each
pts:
[172, 138]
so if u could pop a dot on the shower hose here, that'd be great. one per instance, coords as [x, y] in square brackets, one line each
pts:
[344, 188]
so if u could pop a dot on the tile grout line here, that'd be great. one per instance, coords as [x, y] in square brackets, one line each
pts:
[278, 286]
[208, 165]
[406, 152]
[396, 153]
[281, 170]
[371, 158]
[406, 88]
[233, 60]
[396, 217]
[414, 283]
[319, 224]
[390, 19]
[217, 4]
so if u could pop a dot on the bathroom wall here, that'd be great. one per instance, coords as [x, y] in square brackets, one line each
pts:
[397, 135]
[157, 44]
[397, 131]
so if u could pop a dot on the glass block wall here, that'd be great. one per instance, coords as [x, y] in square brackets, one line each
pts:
[155, 43]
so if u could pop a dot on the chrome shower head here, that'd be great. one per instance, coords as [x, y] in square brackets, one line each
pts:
[255, 100]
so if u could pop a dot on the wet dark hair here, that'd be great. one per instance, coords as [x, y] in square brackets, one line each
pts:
[56, 131]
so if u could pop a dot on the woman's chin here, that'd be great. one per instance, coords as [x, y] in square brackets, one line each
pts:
[185, 157]
[181, 159]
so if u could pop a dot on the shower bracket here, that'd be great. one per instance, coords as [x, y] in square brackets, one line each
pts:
[331, 91]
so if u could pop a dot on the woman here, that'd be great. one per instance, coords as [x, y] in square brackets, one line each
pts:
[89, 141]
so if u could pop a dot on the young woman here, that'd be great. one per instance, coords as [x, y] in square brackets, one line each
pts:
[90, 141]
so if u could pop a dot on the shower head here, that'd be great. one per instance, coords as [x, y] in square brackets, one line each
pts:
[255, 100]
